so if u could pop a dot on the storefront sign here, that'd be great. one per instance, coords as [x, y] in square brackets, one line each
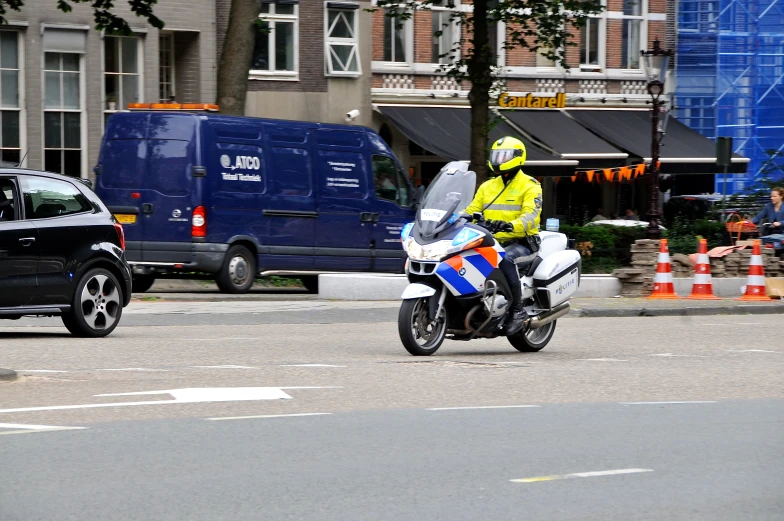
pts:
[532, 102]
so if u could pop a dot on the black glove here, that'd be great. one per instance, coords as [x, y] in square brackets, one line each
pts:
[500, 226]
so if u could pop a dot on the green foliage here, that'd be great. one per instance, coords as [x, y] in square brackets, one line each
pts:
[105, 19]
[683, 236]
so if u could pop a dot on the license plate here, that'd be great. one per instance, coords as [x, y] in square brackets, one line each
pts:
[125, 218]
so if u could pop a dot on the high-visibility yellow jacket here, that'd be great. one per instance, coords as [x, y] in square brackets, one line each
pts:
[520, 203]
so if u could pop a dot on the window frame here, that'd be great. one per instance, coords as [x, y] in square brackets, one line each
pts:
[17, 201]
[399, 177]
[139, 75]
[329, 41]
[21, 101]
[165, 36]
[455, 29]
[83, 145]
[408, 38]
[643, 34]
[272, 18]
[601, 26]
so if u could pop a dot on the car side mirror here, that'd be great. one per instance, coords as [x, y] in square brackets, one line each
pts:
[420, 191]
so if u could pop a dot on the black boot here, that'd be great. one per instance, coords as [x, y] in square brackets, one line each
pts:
[516, 315]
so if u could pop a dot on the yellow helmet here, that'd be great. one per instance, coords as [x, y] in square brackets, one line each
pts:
[507, 156]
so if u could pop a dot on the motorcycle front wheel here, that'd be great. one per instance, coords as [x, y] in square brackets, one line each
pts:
[420, 337]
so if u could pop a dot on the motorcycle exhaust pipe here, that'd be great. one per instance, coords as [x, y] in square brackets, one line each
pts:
[548, 316]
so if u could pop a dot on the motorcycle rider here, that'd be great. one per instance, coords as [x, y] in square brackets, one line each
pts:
[511, 203]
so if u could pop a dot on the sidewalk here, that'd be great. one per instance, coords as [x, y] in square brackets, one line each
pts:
[203, 291]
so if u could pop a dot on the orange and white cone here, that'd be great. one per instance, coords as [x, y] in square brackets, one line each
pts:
[663, 287]
[702, 289]
[755, 282]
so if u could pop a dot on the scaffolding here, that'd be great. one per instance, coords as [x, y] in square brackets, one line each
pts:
[730, 78]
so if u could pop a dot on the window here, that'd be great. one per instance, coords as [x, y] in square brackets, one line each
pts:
[631, 37]
[389, 181]
[166, 67]
[7, 199]
[275, 49]
[444, 44]
[120, 72]
[394, 37]
[589, 43]
[342, 48]
[62, 113]
[45, 198]
[9, 99]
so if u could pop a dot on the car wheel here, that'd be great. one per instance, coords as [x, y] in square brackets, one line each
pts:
[142, 283]
[96, 307]
[238, 271]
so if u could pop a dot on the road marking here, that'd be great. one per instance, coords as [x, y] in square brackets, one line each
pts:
[222, 367]
[193, 395]
[270, 416]
[482, 407]
[580, 475]
[750, 351]
[312, 365]
[600, 360]
[665, 403]
[22, 428]
[141, 369]
[673, 354]
[40, 371]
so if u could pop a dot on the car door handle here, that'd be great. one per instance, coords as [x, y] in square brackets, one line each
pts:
[368, 217]
[147, 208]
[27, 241]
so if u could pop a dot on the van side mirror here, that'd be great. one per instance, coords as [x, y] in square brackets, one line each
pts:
[420, 191]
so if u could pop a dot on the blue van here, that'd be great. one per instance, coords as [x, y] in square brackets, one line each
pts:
[234, 197]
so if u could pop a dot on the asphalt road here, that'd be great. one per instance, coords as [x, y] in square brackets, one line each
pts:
[306, 410]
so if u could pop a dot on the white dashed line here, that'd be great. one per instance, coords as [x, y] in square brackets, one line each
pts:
[23, 428]
[311, 365]
[483, 407]
[136, 369]
[750, 351]
[222, 367]
[600, 360]
[580, 475]
[40, 371]
[674, 354]
[666, 403]
[270, 416]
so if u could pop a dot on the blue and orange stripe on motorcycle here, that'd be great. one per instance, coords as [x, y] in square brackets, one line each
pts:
[451, 277]
[490, 254]
[481, 263]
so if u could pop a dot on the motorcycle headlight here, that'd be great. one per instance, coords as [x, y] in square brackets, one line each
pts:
[434, 251]
[406, 231]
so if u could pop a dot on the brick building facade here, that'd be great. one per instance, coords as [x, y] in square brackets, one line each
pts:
[61, 78]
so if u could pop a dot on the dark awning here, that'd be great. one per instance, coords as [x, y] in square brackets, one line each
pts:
[562, 134]
[683, 150]
[446, 132]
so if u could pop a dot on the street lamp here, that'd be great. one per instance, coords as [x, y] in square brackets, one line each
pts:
[654, 64]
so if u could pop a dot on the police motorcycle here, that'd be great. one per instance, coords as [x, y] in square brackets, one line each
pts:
[457, 290]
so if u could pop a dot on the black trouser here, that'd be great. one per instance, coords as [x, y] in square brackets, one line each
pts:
[516, 254]
[769, 229]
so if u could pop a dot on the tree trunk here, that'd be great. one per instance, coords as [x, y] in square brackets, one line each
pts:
[478, 66]
[237, 56]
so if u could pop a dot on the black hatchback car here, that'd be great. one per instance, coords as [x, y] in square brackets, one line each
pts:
[61, 253]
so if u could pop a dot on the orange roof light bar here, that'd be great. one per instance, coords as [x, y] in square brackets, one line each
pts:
[209, 107]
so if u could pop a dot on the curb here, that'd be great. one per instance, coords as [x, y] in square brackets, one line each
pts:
[7, 375]
[751, 309]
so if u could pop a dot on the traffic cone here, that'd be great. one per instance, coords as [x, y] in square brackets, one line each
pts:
[663, 287]
[702, 289]
[755, 282]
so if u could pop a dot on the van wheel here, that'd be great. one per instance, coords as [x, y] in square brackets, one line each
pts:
[310, 283]
[142, 283]
[97, 305]
[238, 271]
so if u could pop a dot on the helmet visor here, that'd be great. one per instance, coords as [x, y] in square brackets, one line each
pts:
[501, 156]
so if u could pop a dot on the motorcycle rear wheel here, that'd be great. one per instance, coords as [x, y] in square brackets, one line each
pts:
[419, 337]
[533, 340]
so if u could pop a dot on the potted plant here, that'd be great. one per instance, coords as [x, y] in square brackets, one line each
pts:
[111, 102]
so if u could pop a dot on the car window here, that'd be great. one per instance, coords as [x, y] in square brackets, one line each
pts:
[389, 181]
[44, 198]
[7, 200]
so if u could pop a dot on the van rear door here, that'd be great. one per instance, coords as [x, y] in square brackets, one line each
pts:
[168, 195]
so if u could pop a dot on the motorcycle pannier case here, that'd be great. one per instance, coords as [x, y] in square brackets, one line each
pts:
[557, 278]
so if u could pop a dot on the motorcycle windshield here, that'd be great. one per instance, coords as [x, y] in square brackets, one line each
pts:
[450, 192]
